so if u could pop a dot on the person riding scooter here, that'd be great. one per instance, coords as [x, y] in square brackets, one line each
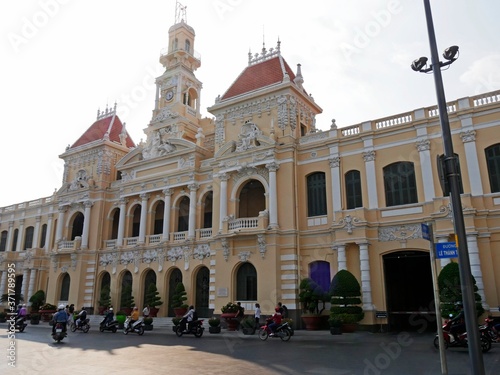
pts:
[276, 321]
[60, 317]
[82, 316]
[134, 317]
[458, 322]
[187, 318]
[109, 316]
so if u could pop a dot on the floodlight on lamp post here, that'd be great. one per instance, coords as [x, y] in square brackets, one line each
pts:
[453, 175]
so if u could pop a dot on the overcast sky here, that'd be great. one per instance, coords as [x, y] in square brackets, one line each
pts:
[61, 60]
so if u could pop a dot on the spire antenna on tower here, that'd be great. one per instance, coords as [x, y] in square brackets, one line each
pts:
[180, 12]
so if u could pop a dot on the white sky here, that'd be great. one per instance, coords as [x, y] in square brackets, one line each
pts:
[61, 60]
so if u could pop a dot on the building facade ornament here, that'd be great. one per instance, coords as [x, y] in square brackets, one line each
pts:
[400, 232]
[334, 162]
[150, 256]
[74, 259]
[201, 251]
[423, 145]
[468, 136]
[244, 256]
[175, 254]
[347, 222]
[369, 156]
[225, 248]
[261, 241]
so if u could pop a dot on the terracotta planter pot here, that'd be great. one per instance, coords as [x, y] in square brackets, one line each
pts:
[180, 311]
[214, 329]
[231, 321]
[314, 322]
[349, 327]
[153, 311]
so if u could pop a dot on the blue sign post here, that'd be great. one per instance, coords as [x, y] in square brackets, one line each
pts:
[425, 232]
[446, 250]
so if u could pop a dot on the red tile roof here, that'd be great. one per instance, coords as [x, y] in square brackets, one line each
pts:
[99, 128]
[258, 76]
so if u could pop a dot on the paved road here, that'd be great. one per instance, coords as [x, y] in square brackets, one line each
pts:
[161, 352]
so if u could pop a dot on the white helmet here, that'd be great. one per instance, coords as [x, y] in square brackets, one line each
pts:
[110, 309]
[61, 307]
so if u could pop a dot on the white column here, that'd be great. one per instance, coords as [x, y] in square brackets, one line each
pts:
[86, 225]
[469, 140]
[336, 183]
[157, 96]
[424, 146]
[192, 209]
[20, 235]
[273, 195]
[60, 223]
[31, 286]
[10, 236]
[48, 235]
[366, 287]
[341, 257]
[3, 281]
[223, 199]
[166, 214]
[371, 178]
[36, 232]
[121, 222]
[24, 286]
[475, 264]
[144, 212]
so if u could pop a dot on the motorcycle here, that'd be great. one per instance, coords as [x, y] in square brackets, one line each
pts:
[283, 331]
[487, 330]
[461, 340]
[108, 326]
[82, 326]
[59, 333]
[195, 327]
[20, 324]
[137, 327]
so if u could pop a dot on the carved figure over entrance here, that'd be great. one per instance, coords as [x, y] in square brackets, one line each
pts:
[248, 137]
[156, 146]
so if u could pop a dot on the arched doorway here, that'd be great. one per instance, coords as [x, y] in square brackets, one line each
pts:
[174, 279]
[202, 291]
[252, 199]
[409, 291]
[77, 226]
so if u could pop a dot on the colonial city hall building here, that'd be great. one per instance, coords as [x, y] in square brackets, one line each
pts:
[242, 206]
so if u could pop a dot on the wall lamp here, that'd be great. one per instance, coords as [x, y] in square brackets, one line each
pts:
[450, 54]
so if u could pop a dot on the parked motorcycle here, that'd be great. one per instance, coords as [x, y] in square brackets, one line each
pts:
[82, 326]
[20, 323]
[108, 326]
[283, 331]
[487, 330]
[461, 340]
[137, 327]
[59, 333]
[195, 327]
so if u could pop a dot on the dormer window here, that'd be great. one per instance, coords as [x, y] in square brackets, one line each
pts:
[187, 46]
[175, 43]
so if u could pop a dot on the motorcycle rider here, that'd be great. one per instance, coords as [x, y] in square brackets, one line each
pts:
[457, 324]
[109, 316]
[187, 318]
[134, 317]
[276, 318]
[60, 317]
[82, 315]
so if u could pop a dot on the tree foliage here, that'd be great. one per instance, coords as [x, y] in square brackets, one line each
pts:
[179, 297]
[153, 298]
[346, 298]
[310, 295]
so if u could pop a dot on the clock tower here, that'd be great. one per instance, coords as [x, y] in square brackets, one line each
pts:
[177, 89]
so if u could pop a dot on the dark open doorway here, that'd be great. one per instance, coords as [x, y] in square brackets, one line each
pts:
[409, 290]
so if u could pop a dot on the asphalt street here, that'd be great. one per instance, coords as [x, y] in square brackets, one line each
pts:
[161, 352]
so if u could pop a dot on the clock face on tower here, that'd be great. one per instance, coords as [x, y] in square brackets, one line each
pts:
[169, 95]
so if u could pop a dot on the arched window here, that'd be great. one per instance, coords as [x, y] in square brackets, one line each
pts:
[148, 280]
[136, 221]
[14, 240]
[28, 238]
[65, 284]
[126, 298]
[208, 210]
[246, 283]
[77, 226]
[319, 272]
[252, 199]
[3, 240]
[316, 194]
[43, 237]
[115, 223]
[400, 184]
[493, 163]
[187, 46]
[183, 221]
[159, 211]
[354, 198]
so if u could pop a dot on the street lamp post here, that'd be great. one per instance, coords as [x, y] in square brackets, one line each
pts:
[452, 174]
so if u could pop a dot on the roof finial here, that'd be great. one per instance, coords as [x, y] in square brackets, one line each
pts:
[180, 13]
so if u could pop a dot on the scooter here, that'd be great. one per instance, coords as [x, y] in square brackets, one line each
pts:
[20, 324]
[195, 327]
[59, 333]
[283, 331]
[461, 341]
[487, 330]
[108, 326]
[83, 326]
[137, 327]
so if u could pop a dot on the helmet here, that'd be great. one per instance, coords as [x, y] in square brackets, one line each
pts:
[61, 307]
[110, 309]
[459, 304]
[135, 308]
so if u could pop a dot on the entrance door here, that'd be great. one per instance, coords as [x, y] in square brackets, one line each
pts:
[175, 278]
[202, 289]
[409, 291]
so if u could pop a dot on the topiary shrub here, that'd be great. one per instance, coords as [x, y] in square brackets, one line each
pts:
[310, 295]
[153, 298]
[126, 299]
[450, 291]
[179, 297]
[346, 298]
[37, 300]
[105, 296]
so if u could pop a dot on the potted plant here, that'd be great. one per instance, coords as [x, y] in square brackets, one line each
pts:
[230, 312]
[104, 299]
[176, 321]
[335, 326]
[148, 323]
[127, 300]
[248, 325]
[310, 295]
[34, 318]
[346, 300]
[37, 300]
[178, 300]
[3, 317]
[153, 299]
[46, 311]
[214, 325]
[120, 317]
